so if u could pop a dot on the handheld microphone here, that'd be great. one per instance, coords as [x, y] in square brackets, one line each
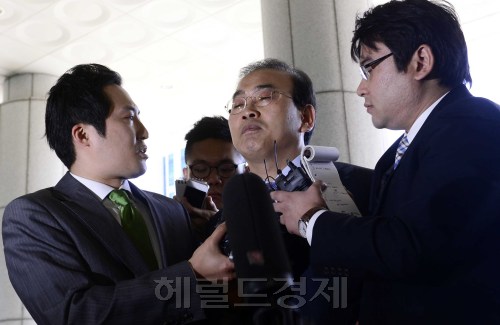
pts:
[253, 231]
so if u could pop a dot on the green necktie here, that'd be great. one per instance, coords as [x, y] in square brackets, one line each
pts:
[134, 226]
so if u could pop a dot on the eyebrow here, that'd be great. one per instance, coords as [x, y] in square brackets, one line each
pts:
[131, 108]
[258, 87]
[220, 162]
[366, 59]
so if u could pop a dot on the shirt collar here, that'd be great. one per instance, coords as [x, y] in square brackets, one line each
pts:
[421, 120]
[100, 189]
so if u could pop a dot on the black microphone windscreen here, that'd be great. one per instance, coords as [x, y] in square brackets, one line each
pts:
[253, 229]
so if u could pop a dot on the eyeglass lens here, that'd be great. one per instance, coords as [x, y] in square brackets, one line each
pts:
[365, 69]
[260, 98]
[202, 170]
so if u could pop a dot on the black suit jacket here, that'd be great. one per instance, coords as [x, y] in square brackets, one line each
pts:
[357, 180]
[70, 262]
[430, 251]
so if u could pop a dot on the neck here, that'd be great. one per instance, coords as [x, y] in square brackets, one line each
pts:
[431, 91]
[110, 181]
[257, 166]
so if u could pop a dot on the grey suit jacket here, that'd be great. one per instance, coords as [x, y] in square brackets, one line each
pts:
[71, 263]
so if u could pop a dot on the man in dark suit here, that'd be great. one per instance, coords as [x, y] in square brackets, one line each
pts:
[429, 249]
[82, 252]
[272, 114]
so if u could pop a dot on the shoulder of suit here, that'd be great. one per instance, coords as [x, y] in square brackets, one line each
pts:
[43, 194]
[44, 197]
[158, 196]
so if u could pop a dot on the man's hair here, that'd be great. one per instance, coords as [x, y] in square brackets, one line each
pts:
[405, 25]
[303, 91]
[215, 127]
[77, 97]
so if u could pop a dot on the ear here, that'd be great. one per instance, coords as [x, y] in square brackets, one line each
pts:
[422, 62]
[308, 118]
[185, 172]
[79, 135]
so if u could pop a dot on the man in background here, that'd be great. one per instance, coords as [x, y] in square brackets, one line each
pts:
[211, 157]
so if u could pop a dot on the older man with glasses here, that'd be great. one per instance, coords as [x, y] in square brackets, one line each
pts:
[272, 114]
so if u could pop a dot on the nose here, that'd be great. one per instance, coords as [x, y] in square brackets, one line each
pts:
[142, 132]
[361, 90]
[213, 178]
[250, 110]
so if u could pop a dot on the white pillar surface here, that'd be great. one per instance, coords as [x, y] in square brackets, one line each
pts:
[315, 36]
[26, 164]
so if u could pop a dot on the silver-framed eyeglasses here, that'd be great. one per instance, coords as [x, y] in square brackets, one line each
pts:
[202, 170]
[365, 69]
[260, 98]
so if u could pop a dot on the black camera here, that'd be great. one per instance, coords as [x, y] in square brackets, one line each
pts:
[296, 180]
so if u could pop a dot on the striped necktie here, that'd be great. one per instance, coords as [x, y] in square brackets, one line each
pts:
[403, 145]
[134, 226]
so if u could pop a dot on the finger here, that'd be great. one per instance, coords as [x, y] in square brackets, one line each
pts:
[186, 203]
[318, 184]
[210, 204]
[277, 206]
[318, 187]
[218, 232]
[278, 196]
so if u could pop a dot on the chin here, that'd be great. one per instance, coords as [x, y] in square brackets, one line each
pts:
[377, 124]
[138, 172]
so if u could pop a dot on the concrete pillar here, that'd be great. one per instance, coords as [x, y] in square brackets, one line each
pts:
[26, 164]
[315, 36]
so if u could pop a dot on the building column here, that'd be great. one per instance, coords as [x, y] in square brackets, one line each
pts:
[315, 36]
[26, 164]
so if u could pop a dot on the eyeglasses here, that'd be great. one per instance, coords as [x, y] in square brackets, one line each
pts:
[202, 170]
[260, 98]
[367, 68]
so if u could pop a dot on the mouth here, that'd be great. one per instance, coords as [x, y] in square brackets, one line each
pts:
[251, 128]
[141, 150]
[214, 193]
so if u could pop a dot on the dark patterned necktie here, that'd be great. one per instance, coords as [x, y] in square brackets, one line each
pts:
[403, 145]
[134, 226]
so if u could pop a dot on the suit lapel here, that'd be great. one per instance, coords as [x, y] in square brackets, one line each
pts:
[88, 208]
[384, 173]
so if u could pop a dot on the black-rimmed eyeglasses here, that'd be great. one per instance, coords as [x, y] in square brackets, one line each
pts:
[202, 170]
[365, 69]
[260, 98]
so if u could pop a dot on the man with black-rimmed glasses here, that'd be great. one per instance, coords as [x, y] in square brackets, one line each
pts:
[211, 157]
